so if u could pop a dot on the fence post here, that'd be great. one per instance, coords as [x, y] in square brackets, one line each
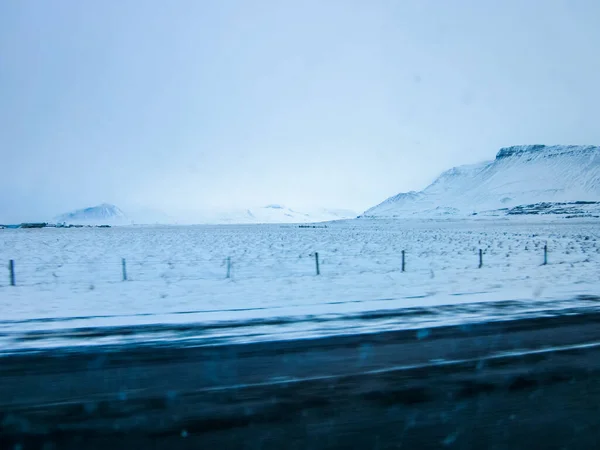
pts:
[11, 268]
[317, 263]
[403, 261]
[124, 268]
[545, 254]
[228, 267]
[480, 258]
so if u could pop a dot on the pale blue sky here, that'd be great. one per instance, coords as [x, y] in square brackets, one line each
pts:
[185, 105]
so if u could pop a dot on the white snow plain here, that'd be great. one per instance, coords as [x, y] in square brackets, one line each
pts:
[69, 281]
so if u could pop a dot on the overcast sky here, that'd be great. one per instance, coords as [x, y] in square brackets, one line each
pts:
[185, 105]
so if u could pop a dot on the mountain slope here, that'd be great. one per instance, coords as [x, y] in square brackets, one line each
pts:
[520, 175]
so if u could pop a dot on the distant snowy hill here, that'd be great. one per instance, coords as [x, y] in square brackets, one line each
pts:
[528, 179]
[101, 214]
[274, 213]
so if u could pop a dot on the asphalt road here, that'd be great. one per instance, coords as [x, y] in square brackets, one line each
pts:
[512, 384]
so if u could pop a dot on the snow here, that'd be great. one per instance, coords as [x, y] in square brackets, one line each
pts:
[519, 175]
[68, 279]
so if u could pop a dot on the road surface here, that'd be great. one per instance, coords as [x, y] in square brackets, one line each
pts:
[522, 383]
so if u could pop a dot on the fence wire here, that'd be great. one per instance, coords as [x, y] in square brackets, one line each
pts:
[255, 266]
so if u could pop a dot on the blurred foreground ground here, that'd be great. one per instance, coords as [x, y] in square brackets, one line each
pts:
[521, 383]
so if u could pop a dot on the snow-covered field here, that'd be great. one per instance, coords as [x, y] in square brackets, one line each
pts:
[72, 278]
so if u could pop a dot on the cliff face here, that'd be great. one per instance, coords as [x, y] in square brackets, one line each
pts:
[547, 151]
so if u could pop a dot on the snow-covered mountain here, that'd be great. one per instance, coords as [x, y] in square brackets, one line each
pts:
[520, 176]
[101, 214]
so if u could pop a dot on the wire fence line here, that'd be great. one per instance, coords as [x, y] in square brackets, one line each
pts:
[249, 266]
